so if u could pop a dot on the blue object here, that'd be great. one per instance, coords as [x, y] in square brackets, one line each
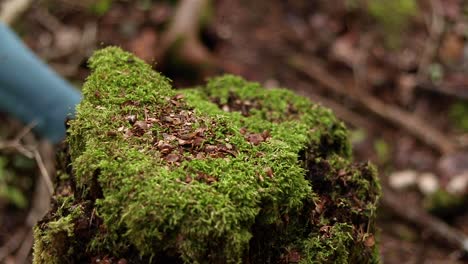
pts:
[31, 91]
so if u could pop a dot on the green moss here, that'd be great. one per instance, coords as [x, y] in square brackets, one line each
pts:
[53, 237]
[226, 173]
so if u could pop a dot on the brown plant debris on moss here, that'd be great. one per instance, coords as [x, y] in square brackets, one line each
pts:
[225, 173]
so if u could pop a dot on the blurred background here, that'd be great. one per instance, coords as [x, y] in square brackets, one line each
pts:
[395, 71]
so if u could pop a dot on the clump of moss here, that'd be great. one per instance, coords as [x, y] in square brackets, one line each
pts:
[54, 236]
[225, 173]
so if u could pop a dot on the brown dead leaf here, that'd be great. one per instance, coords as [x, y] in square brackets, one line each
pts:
[255, 139]
[205, 178]
[369, 241]
[210, 148]
[198, 141]
[188, 178]
[141, 125]
[269, 172]
[183, 142]
[172, 158]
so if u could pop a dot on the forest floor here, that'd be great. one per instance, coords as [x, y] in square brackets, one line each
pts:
[395, 73]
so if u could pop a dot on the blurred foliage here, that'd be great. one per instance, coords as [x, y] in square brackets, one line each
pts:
[443, 203]
[383, 150]
[393, 16]
[100, 7]
[8, 191]
[357, 136]
[436, 72]
[459, 115]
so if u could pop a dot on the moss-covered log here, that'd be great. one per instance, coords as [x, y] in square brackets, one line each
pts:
[225, 173]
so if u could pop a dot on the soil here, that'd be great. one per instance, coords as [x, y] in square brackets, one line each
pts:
[258, 39]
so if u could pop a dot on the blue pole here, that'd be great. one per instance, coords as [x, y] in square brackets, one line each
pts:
[31, 91]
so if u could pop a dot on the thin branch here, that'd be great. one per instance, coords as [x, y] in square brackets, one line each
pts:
[15, 143]
[424, 220]
[21, 241]
[410, 122]
[25, 131]
[44, 173]
[30, 152]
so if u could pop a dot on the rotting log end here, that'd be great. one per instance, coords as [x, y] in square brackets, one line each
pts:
[225, 173]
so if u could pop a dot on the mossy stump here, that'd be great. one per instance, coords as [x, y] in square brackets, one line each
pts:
[225, 173]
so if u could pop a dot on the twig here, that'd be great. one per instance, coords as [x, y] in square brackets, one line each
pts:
[10, 10]
[44, 173]
[25, 131]
[410, 122]
[16, 142]
[22, 239]
[424, 220]
[30, 152]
